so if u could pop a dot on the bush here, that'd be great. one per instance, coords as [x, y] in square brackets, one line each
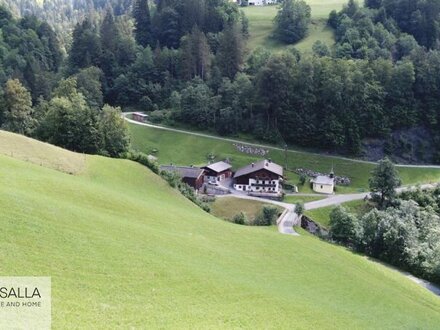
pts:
[302, 179]
[343, 225]
[240, 219]
[266, 217]
[299, 209]
[160, 116]
[175, 181]
[141, 158]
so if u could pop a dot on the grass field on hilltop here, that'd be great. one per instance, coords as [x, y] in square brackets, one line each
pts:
[261, 25]
[126, 251]
[39, 153]
[185, 149]
[227, 207]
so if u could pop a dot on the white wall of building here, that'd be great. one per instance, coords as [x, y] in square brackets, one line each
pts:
[261, 2]
[323, 188]
[214, 178]
[253, 186]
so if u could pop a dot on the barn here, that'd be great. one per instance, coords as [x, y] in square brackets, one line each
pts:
[216, 172]
[139, 116]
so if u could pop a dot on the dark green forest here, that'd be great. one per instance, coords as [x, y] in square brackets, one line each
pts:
[186, 62]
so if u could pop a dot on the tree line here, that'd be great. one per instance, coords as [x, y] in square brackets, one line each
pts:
[36, 101]
[187, 62]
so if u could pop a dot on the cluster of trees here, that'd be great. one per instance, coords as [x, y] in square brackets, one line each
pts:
[402, 230]
[34, 101]
[68, 119]
[420, 18]
[384, 33]
[144, 68]
[315, 101]
[29, 50]
[63, 15]
[363, 32]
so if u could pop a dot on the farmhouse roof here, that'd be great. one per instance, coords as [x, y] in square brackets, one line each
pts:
[219, 166]
[263, 164]
[183, 171]
[324, 180]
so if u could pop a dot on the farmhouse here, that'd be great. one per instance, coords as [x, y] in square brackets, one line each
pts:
[139, 116]
[324, 184]
[217, 171]
[263, 177]
[193, 176]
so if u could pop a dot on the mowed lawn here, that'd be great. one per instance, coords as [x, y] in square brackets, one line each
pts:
[261, 25]
[186, 149]
[227, 207]
[126, 251]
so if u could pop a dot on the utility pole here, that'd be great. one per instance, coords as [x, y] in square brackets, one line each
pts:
[285, 150]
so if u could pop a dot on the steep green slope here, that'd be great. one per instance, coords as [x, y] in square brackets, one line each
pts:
[124, 250]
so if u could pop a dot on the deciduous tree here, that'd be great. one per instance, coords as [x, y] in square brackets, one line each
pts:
[18, 108]
[383, 182]
[292, 21]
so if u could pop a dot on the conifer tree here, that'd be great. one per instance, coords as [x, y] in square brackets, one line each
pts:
[141, 14]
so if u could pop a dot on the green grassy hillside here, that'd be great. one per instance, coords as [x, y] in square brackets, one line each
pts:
[40, 153]
[126, 251]
[186, 149]
[261, 25]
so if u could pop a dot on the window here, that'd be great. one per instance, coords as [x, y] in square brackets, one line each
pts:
[322, 187]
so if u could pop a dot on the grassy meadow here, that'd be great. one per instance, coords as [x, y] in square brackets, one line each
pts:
[261, 25]
[47, 155]
[185, 149]
[227, 207]
[126, 251]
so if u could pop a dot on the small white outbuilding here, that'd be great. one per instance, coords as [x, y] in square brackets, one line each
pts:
[323, 184]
